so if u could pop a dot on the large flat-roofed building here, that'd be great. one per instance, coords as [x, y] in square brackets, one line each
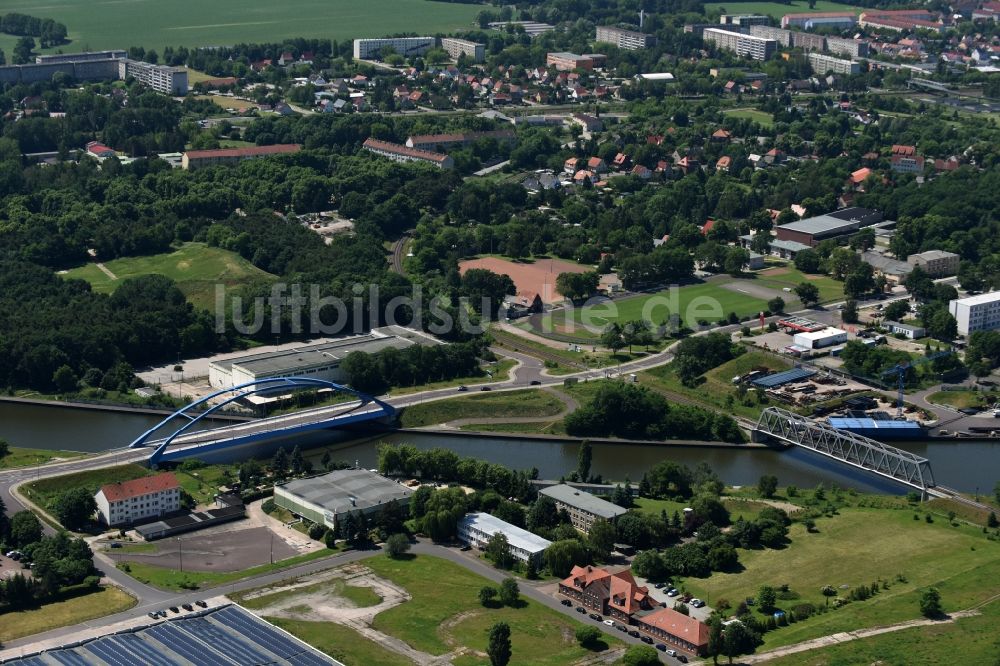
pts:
[444, 141]
[81, 57]
[808, 41]
[131, 501]
[852, 48]
[316, 361]
[326, 498]
[462, 47]
[780, 35]
[976, 313]
[197, 159]
[221, 635]
[630, 40]
[531, 28]
[582, 507]
[811, 230]
[367, 49]
[902, 19]
[936, 263]
[810, 20]
[397, 152]
[822, 63]
[476, 529]
[748, 46]
[565, 61]
[744, 20]
[162, 79]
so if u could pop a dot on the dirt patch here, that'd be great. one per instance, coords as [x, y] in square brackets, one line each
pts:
[755, 290]
[775, 271]
[538, 277]
[813, 277]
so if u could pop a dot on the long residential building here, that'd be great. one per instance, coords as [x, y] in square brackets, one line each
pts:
[459, 47]
[582, 507]
[162, 79]
[624, 39]
[397, 152]
[98, 66]
[902, 19]
[476, 529]
[676, 629]
[780, 35]
[435, 141]
[808, 41]
[116, 54]
[744, 20]
[852, 48]
[976, 313]
[131, 501]
[748, 46]
[822, 63]
[196, 159]
[367, 49]
[810, 20]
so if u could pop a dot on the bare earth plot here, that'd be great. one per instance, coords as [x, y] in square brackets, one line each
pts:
[539, 276]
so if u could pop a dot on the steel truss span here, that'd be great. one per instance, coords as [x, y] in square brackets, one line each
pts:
[847, 447]
[185, 418]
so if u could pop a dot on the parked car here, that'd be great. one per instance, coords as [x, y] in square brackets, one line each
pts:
[581, 609]
[596, 616]
[465, 548]
[646, 639]
[201, 604]
[610, 623]
[672, 653]
[175, 609]
[116, 544]
[534, 382]
[661, 647]
[566, 602]
[672, 592]
[633, 633]
[681, 658]
[153, 615]
[187, 607]
[697, 603]
[622, 628]
[659, 586]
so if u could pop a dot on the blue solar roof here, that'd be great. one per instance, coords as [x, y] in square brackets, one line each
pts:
[227, 636]
[844, 423]
[786, 377]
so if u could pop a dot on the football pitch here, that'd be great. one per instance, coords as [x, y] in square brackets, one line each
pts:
[154, 24]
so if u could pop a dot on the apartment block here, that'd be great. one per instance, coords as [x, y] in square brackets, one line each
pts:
[808, 41]
[780, 35]
[852, 48]
[748, 46]
[582, 507]
[368, 49]
[744, 20]
[399, 153]
[936, 263]
[81, 57]
[459, 47]
[131, 501]
[461, 139]
[476, 529]
[810, 20]
[624, 39]
[976, 313]
[821, 64]
[196, 159]
[162, 79]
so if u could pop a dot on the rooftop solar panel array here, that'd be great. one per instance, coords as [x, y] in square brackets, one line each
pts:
[228, 636]
[786, 377]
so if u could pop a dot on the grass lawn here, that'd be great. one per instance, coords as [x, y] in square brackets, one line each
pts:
[69, 611]
[20, 457]
[693, 302]
[203, 483]
[44, 491]
[960, 399]
[154, 25]
[969, 640]
[361, 597]
[569, 362]
[790, 277]
[718, 386]
[859, 546]
[340, 642]
[749, 509]
[777, 10]
[555, 427]
[172, 579]
[225, 102]
[529, 402]
[762, 118]
[500, 370]
[445, 612]
[195, 267]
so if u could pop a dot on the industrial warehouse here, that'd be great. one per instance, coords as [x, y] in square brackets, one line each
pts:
[326, 498]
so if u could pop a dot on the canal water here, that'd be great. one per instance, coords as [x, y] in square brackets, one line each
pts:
[967, 465]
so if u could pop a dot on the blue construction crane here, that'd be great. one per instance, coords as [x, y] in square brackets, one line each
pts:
[900, 371]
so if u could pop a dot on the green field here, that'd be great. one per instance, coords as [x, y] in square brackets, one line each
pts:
[776, 9]
[44, 491]
[501, 371]
[962, 399]
[444, 612]
[20, 457]
[762, 118]
[860, 546]
[153, 25]
[340, 642]
[528, 402]
[195, 267]
[73, 609]
[361, 597]
[790, 277]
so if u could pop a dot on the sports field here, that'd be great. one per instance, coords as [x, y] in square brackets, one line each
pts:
[776, 9]
[537, 276]
[106, 24]
[195, 267]
[762, 118]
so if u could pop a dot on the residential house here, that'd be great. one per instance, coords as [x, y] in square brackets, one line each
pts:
[131, 501]
[597, 165]
[724, 163]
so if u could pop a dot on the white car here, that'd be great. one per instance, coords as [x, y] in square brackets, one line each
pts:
[610, 623]
[697, 603]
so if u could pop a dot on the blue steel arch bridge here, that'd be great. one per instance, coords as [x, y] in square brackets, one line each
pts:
[180, 435]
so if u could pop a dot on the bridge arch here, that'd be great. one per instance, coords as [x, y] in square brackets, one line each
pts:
[229, 395]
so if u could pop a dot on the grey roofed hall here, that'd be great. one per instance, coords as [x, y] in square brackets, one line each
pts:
[334, 491]
[584, 501]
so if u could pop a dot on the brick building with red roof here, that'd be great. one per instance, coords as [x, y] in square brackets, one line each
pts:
[194, 159]
[676, 628]
[128, 502]
[614, 594]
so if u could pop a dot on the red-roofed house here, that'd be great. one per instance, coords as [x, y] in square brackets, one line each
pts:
[724, 163]
[642, 172]
[570, 165]
[621, 160]
[721, 135]
[597, 165]
[859, 177]
[906, 151]
[194, 159]
[677, 629]
[98, 150]
[614, 594]
[131, 501]
[705, 228]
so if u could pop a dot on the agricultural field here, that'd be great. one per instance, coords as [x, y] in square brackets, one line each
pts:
[875, 539]
[192, 23]
[195, 267]
[777, 9]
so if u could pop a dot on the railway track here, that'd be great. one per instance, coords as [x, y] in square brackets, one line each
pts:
[396, 261]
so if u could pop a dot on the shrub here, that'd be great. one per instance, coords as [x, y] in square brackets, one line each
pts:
[268, 506]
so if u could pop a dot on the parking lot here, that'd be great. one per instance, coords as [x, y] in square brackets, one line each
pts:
[232, 550]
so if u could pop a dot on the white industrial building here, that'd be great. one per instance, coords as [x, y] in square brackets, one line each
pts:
[748, 46]
[976, 313]
[476, 529]
[131, 501]
[326, 498]
[368, 49]
[316, 361]
[819, 339]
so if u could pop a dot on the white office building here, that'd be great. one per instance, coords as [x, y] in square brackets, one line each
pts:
[368, 49]
[976, 313]
[748, 46]
[476, 529]
[139, 499]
